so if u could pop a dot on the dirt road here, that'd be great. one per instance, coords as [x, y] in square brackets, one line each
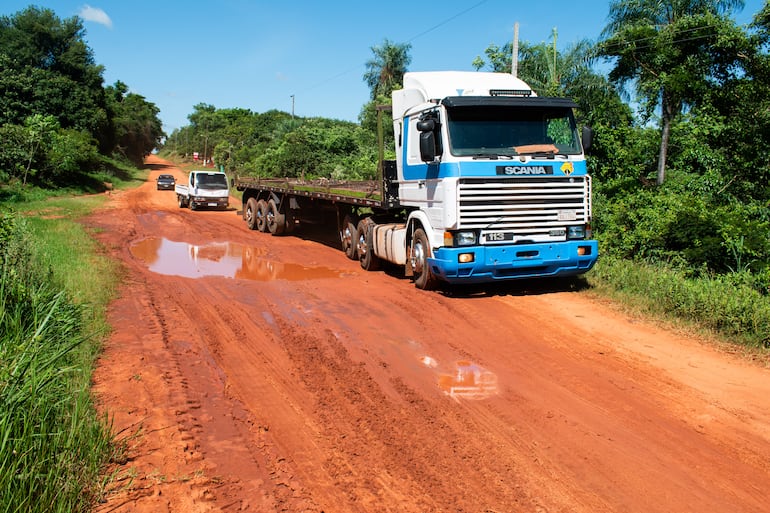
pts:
[256, 373]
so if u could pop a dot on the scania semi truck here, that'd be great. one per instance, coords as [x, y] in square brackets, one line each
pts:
[489, 183]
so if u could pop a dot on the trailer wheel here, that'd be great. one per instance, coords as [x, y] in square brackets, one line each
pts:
[423, 277]
[364, 247]
[260, 214]
[250, 213]
[349, 237]
[276, 222]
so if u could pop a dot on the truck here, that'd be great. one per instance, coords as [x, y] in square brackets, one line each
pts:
[204, 189]
[489, 183]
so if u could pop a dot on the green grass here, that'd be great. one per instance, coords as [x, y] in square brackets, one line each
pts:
[55, 285]
[722, 305]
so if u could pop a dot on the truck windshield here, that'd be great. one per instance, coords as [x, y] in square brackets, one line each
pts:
[211, 181]
[507, 131]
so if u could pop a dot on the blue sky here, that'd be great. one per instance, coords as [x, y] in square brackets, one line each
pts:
[256, 54]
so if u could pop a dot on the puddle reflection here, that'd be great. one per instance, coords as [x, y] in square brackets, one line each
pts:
[226, 259]
[470, 381]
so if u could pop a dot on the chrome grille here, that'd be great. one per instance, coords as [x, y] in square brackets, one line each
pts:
[524, 205]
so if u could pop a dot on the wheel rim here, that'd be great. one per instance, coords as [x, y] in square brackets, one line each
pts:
[249, 215]
[418, 257]
[362, 249]
[347, 237]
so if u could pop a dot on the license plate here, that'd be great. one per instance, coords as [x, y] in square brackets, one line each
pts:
[567, 215]
[213, 204]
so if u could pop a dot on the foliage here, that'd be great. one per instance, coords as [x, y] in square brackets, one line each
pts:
[52, 445]
[671, 50]
[673, 226]
[53, 107]
[275, 144]
[385, 70]
[137, 129]
[729, 305]
[321, 148]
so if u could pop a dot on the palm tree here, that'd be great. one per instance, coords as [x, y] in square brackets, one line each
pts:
[550, 72]
[385, 71]
[647, 38]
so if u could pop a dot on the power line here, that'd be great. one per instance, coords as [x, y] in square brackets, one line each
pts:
[440, 24]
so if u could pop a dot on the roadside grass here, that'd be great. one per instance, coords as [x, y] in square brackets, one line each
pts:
[721, 306]
[55, 285]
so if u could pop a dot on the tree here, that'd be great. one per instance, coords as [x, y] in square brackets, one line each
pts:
[39, 129]
[385, 70]
[570, 74]
[667, 48]
[137, 129]
[47, 68]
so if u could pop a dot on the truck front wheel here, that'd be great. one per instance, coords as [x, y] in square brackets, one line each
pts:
[423, 277]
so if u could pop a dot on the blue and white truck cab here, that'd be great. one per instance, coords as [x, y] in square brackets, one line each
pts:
[495, 176]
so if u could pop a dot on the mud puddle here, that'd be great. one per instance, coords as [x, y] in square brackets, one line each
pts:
[227, 259]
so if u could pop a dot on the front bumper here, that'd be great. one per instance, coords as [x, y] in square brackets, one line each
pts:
[202, 201]
[493, 263]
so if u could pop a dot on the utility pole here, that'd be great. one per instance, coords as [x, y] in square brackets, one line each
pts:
[292, 107]
[515, 51]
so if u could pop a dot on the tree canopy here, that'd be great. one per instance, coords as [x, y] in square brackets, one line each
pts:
[55, 112]
[669, 49]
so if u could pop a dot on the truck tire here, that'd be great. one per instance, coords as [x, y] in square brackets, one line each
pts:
[349, 237]
[423, 277]
[364, 247]
[261, 216]
[180, 200]
[191, 204]
[250, 213]
[276, 222]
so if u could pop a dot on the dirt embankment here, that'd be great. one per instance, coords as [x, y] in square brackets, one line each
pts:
[256, 373]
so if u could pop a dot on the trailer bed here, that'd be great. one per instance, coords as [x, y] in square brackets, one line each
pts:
[364, 193]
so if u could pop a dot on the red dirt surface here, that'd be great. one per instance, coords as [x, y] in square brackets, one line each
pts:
[301, 383]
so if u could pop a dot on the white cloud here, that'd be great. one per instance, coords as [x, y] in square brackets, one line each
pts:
[96, 15]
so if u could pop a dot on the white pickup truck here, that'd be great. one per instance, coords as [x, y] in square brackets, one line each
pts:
[204, 189]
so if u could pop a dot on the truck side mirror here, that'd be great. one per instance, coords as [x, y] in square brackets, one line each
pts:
[426, 125]
[588, 136]
[427, 146]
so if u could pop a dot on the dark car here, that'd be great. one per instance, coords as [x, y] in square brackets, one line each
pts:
[166, 182]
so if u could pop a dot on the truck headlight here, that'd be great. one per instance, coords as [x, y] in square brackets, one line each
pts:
[465, 238]
[576, 232]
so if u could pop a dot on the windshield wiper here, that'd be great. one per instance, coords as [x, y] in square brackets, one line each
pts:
[493, 156]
